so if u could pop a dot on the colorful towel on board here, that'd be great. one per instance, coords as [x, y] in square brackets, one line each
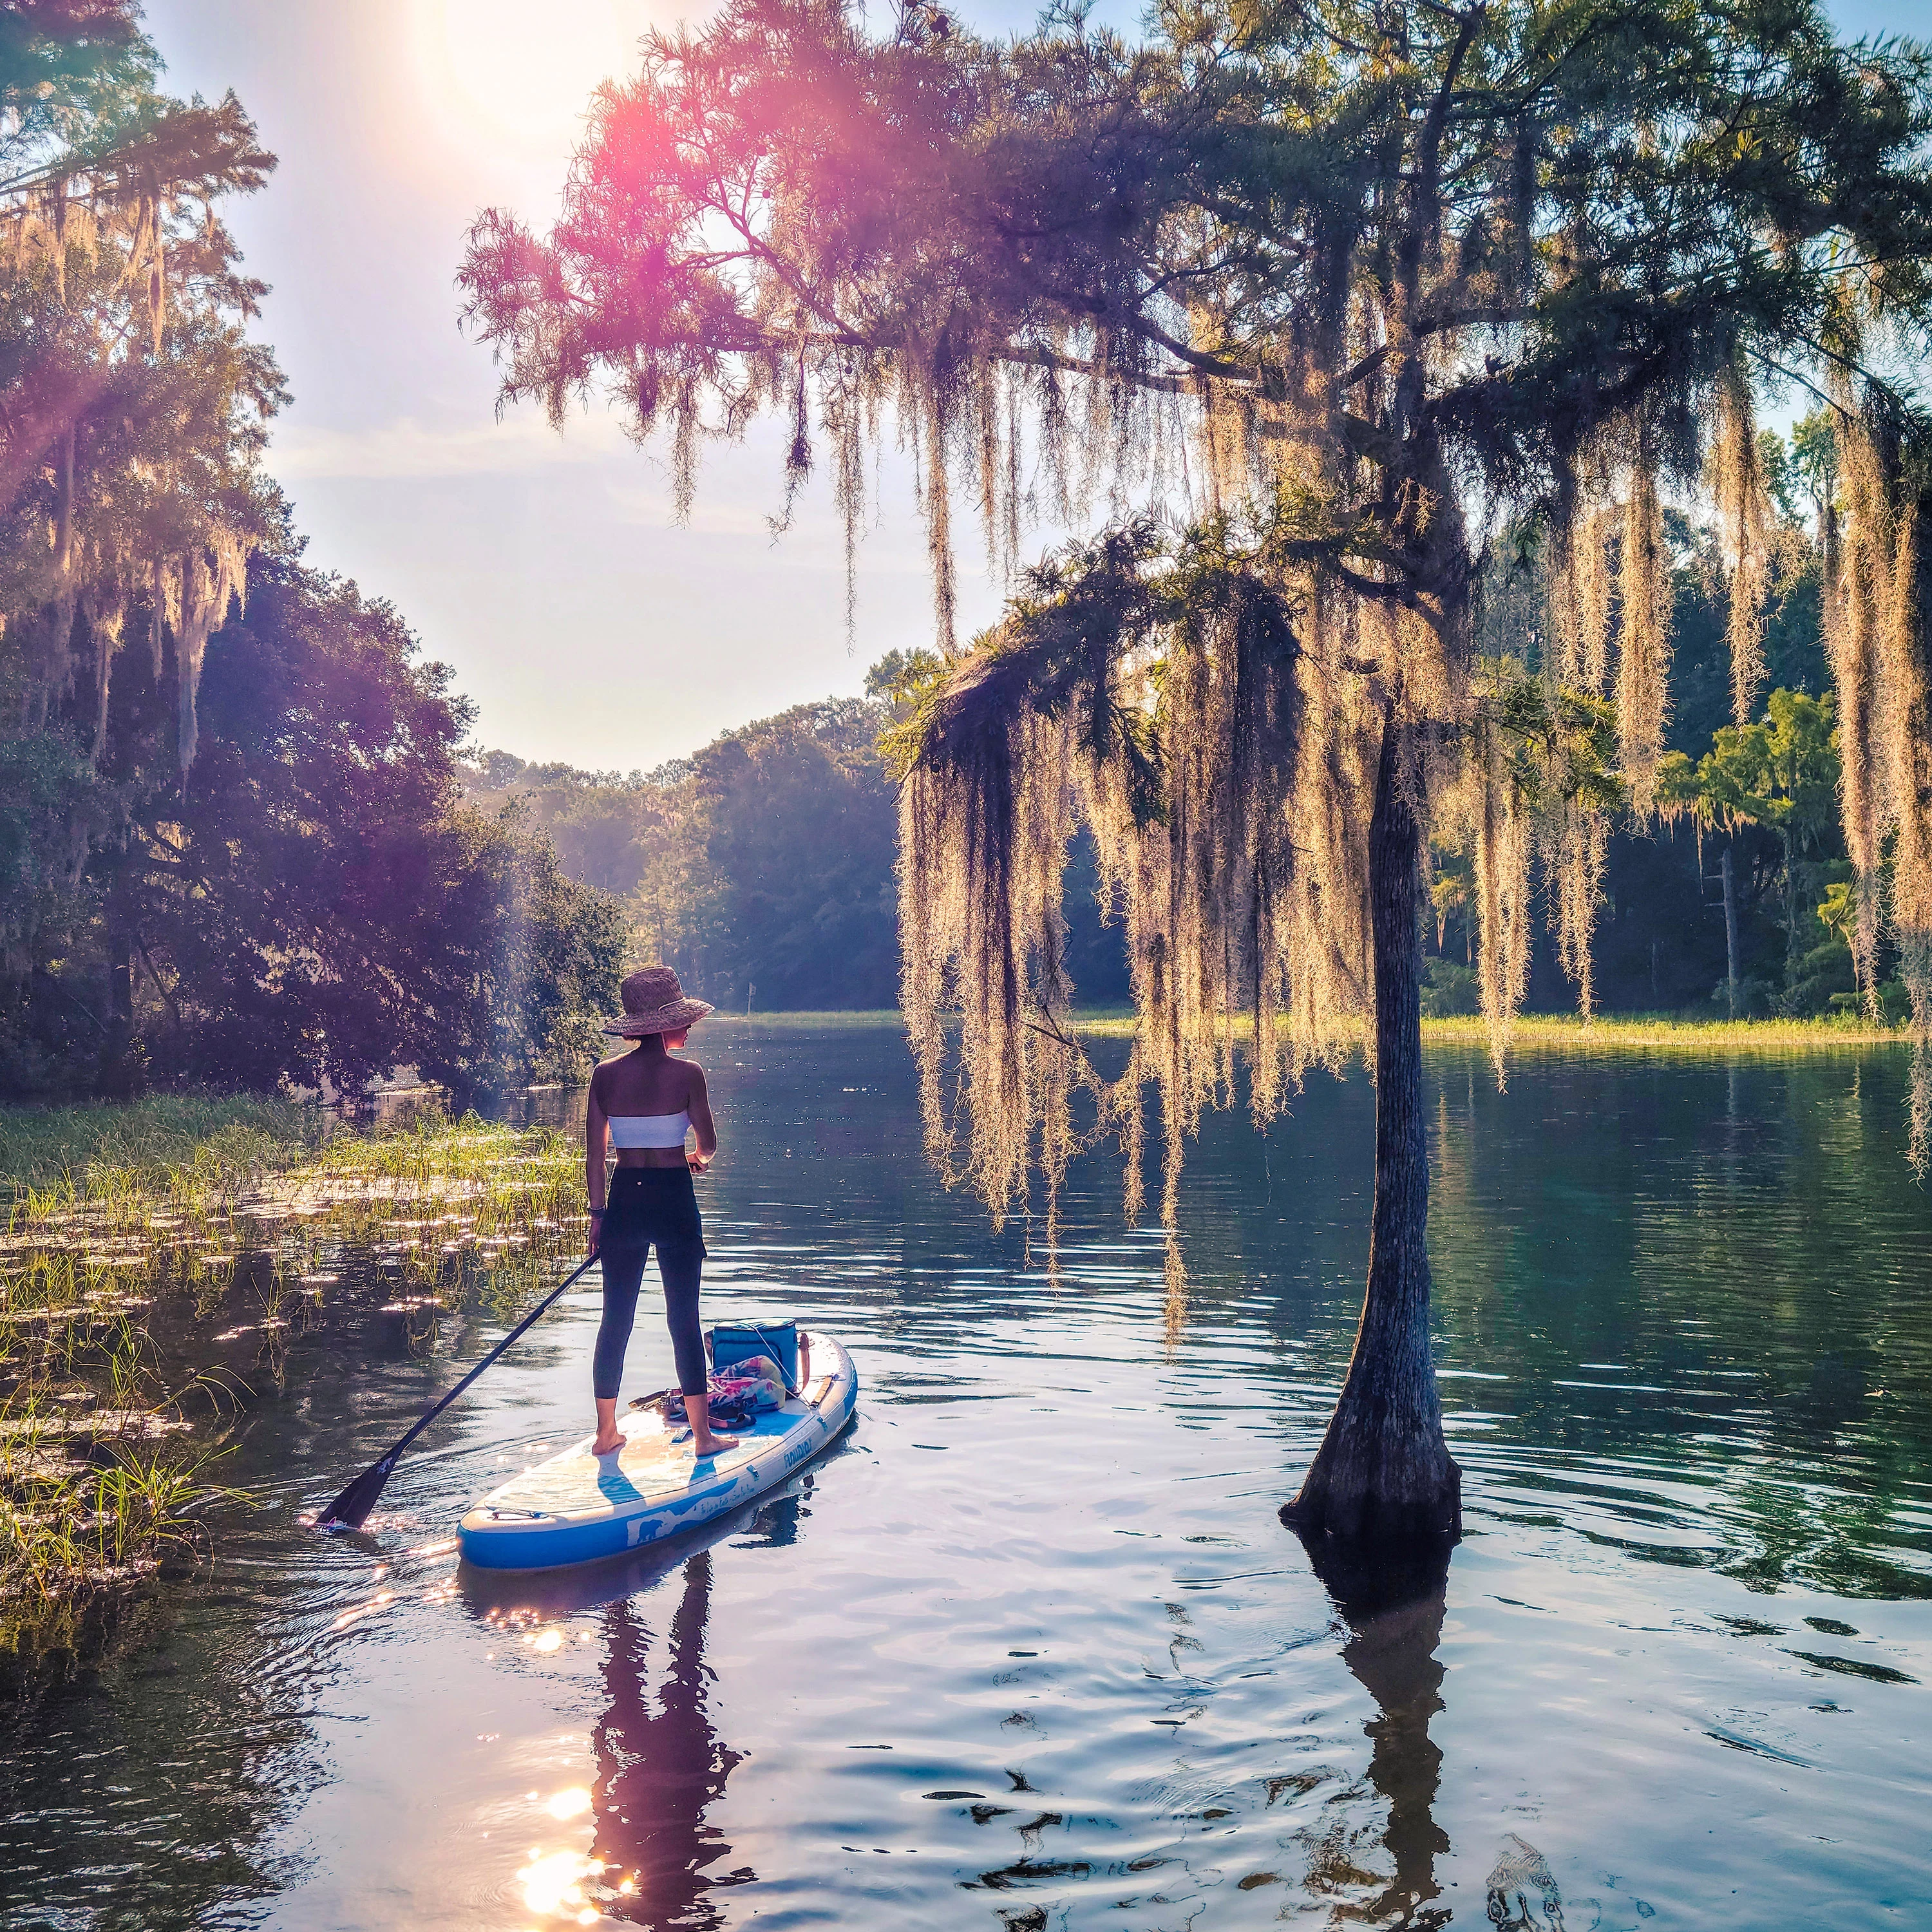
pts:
[754, 1383]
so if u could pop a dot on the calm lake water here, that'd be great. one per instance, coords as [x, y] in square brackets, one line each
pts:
[1029, 1649]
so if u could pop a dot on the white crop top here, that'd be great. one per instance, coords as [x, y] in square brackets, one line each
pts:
[649, 1130]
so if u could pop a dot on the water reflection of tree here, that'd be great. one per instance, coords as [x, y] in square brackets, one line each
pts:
[1394, 1615]
[659, 1770]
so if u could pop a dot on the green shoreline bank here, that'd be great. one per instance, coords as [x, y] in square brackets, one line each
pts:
[1530, 1030]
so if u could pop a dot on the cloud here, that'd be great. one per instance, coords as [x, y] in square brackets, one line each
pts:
[742, 488]
[409, 448]
[709, 516]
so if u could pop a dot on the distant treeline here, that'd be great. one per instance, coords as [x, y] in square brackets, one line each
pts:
[762, 866]
[315, 903]
[1661, 937]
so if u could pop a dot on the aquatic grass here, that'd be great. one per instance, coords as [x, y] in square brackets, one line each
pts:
[96, 1484]
[99, 1467]
[428, 1191]
[240, 1178]
[71, 1532]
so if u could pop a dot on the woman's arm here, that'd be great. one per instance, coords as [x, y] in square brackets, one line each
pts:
[595, 1130]
[699, 1107]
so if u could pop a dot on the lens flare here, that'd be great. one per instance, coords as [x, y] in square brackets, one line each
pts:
[529, 90]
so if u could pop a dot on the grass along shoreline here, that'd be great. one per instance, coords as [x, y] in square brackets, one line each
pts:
[1528, 1030]
[148, 1144]
[158, 1261]
[1569, 1032]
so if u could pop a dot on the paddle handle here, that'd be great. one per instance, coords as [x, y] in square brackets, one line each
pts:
[429, 1414]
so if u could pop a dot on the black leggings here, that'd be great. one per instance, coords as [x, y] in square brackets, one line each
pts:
[647, 1205]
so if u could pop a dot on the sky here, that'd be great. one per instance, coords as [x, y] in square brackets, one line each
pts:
[546, 569]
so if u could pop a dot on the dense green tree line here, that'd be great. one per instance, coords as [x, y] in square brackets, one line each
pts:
[232, 847]
[1666, 940]
[762, 866]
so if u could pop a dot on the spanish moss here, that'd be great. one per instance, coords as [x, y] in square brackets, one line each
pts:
[1744, 523]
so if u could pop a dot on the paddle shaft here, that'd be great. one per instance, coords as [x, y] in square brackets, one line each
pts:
[436, 1409]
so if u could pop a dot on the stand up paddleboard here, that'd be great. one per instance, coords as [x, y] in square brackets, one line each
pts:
[576, 1507]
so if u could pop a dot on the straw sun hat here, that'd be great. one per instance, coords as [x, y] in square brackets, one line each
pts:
[654, 1003]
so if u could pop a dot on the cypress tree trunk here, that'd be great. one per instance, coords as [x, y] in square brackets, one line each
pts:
[1383, 1473]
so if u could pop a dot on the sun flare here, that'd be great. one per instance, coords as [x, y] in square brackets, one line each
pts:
[520, 76]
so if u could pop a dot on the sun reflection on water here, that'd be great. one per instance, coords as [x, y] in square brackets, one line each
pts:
[558, 1885]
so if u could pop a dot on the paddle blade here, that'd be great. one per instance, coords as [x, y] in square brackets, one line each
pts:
[350, 1510]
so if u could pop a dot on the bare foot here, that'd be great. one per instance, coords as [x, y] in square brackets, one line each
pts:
[607, 1445]
[710, 1445]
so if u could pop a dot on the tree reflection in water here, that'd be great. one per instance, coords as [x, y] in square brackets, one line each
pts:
[660, 1766]
[1394, 1612]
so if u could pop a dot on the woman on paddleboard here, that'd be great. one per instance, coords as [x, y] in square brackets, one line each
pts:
[646, 1103]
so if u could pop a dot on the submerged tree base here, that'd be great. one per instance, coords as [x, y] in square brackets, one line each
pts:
[1383, 1479]
[1372, 1487]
